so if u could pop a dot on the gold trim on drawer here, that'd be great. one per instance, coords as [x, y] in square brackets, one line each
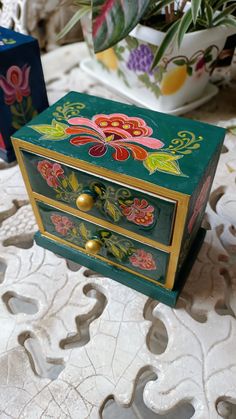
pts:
[101, 222]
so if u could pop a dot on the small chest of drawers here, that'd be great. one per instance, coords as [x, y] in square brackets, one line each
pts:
[120, 189]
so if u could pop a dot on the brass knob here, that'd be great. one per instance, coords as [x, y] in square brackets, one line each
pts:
[93, 246]
[85, 202]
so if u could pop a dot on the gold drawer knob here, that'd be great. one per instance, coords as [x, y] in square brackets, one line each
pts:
[93, 246]
[85, 202]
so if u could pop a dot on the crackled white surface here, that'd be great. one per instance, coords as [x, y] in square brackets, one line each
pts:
[71, 339]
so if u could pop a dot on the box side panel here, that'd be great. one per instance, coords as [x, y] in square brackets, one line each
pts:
[197, 207]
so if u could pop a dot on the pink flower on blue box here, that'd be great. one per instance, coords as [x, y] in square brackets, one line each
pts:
[22, 87]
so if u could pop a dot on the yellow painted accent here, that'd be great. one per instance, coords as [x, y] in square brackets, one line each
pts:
[85, 202]
[174, 80]
[108, 58]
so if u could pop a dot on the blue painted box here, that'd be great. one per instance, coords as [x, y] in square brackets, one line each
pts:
[22, 88]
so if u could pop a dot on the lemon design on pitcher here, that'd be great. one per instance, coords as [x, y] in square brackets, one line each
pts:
[108, 58]
[174, 80]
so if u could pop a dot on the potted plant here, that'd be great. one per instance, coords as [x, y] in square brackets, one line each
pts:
[166, 49]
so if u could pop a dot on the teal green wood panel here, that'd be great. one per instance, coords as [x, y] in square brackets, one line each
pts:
[137, 212]
[197, 206]
[160, 149]
[116, 248]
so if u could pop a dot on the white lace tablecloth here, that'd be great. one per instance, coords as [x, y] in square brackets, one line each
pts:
[76, 345]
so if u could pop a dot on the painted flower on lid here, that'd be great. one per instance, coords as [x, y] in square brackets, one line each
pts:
[139, 212]
[125, 135]
[62, 224]
[143, 260]
[50, 172]
[16, 84]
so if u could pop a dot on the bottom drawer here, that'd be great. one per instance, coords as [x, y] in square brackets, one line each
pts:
[128, 254]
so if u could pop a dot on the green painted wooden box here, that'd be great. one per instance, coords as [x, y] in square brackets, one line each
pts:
[120, 189]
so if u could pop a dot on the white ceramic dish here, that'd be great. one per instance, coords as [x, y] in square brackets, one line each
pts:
[94, 69]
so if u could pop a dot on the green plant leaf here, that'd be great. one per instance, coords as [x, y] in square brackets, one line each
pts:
[55, 131]
[209, 15]
[155, 8]
[163, 162]
[169, 37]
[112, 210]
[112, 20]
[229, 21]
[195, 8]
[185, 22]
[224, 14]
[232, 130]
[73, 181]
[74, 20]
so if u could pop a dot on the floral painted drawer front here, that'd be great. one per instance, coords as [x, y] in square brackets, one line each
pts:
[133, 210]
[120, 250]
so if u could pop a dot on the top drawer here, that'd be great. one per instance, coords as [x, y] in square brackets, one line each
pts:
[136, 211]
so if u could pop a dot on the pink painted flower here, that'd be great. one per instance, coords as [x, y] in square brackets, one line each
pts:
[50, 172]
[2, 144]
[143, 260]
[140, 212]
[199, 203]
[16, 84]
[62, 224]
[122, 133]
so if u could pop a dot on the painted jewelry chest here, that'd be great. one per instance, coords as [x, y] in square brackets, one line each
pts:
[120, 189]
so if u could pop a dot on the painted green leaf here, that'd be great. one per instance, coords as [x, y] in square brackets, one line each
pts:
[55, 131]
[131, 42]
[163, 162]
[112, 210]
[64, 183]
[115, 250]
[112, 20]
[180, 62]
[73, 181]
[83, 231]
[104, 234]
